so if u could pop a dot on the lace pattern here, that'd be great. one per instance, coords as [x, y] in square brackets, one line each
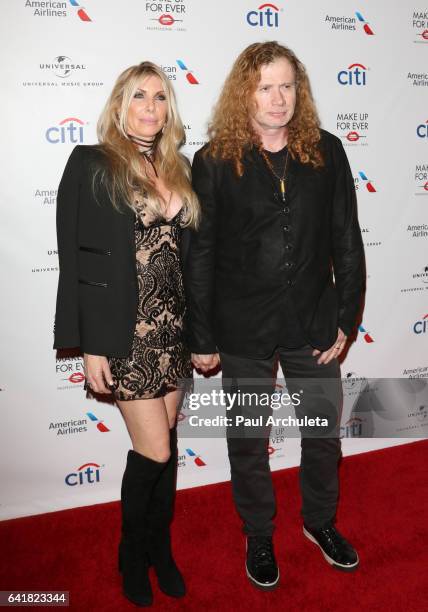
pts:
[158, 357]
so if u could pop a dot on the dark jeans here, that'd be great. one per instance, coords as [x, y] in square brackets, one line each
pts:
[249, 459]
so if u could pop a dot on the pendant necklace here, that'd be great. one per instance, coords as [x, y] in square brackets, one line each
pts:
[282, 179]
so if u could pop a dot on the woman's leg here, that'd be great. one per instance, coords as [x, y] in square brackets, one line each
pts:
[148, 427]
[172, 402]
[147, 422]
[161, 511]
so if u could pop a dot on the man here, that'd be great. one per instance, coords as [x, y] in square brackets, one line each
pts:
[278, 221]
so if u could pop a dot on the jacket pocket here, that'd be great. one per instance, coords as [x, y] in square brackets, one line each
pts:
[94, 267]
[92, 283]
[94, 250]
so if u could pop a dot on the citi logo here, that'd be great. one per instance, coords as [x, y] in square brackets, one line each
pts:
[267, 15]
[353, 428]
[367, 29]
[88, 473]
[367, 337]
[355, 74]
[70, 130]
[196, 458]
[81, 13]
[421, 327]
[422, 130]
[100, 424]
[189, 75]
[369, 185]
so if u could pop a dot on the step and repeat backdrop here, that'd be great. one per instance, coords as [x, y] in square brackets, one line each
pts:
[368, 66]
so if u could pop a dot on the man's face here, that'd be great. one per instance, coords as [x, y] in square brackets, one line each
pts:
[275, 96]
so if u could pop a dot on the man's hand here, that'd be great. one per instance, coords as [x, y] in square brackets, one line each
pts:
[333, 351]
[97, 373]
[205, 363]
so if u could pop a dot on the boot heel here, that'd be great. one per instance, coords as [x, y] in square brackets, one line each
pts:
[170, 579]
[135, 575]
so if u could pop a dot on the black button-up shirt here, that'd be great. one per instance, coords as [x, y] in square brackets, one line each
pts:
[291, 333]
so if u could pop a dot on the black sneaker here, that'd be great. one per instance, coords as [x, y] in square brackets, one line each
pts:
[336, 550]
[261, 566]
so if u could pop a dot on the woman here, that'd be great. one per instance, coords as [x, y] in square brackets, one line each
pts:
[123, 209]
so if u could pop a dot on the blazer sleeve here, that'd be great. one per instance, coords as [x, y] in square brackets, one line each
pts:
[199, 273]
[66, 332]
[348, 250]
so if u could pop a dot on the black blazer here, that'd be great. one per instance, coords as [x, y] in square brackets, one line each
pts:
[241, 261]
[97, 290]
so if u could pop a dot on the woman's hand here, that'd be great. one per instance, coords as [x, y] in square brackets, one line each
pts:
[97, 372]
[205, 363]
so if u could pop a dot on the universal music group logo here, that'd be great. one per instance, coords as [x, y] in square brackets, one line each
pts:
[62, 71]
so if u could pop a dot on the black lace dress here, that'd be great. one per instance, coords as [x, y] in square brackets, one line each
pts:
[158, 359]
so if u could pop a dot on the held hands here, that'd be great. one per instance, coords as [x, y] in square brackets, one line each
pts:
[205, 363]
[97, 372]
[333, 351]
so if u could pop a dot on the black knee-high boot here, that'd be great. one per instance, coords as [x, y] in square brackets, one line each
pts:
[139, 478]
[160, 515]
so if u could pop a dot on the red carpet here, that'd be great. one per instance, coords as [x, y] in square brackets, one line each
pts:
[384, 499]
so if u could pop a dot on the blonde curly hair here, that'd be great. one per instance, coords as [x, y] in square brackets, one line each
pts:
[230, 130]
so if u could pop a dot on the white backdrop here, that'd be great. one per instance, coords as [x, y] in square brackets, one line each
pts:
[59, 62]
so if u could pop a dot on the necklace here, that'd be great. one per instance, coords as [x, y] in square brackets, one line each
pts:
[147, 144]
[281, 179]
[146, 148]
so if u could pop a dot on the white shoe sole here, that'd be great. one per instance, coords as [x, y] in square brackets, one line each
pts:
[262, 585]
[341, 566]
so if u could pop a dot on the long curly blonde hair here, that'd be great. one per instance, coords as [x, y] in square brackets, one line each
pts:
[230, 130]
[124, 176]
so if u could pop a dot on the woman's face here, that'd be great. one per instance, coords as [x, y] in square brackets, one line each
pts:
[147, 112]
